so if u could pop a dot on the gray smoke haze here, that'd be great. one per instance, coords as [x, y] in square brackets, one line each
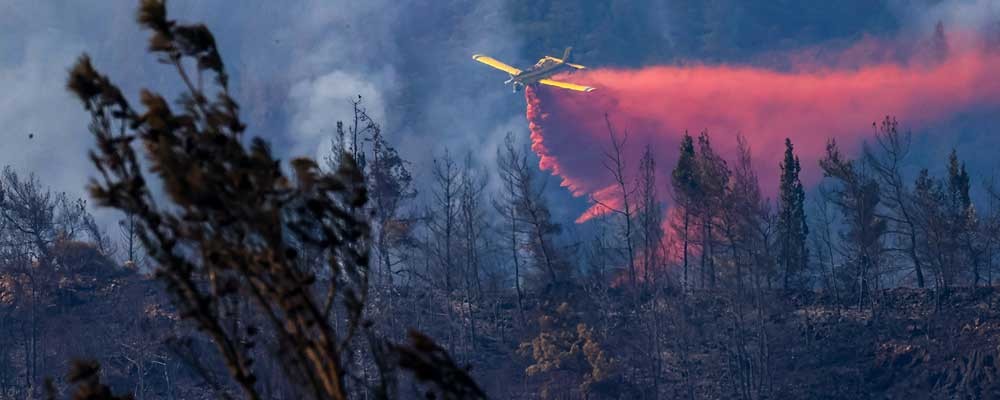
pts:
[296, 68]
[969, 15]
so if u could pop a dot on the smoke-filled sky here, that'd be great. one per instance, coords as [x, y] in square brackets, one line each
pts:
[297, 65]
[810, 104]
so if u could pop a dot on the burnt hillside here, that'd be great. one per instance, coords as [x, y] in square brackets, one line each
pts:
[914, 343]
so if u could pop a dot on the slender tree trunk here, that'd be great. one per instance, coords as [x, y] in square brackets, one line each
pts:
[686, 283]
[915, 258]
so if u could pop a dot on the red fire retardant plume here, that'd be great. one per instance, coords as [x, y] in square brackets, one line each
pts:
[808, 104]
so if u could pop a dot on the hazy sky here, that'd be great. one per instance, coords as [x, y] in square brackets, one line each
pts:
[295, 68]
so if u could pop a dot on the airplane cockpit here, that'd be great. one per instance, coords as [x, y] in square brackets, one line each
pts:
[541, 63]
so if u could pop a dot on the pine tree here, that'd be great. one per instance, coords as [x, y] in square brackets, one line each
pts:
[650, 215]
[934, 239]
[685, 184]
[958, 184]
[948, 222]
[963, 219]
[713, 178]
[792, 229]
[858, 196]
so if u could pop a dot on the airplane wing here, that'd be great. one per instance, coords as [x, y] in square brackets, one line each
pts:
[496, 64]
[564, 85]
[559, 60]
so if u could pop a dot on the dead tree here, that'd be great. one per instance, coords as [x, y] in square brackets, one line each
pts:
[615, 164]
[509, 162]
[887, 162]
[650, 218]
[34, 220]
[530, 215]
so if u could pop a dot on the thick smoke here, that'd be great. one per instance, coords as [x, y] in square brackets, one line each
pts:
[808, 103]
[295, 70]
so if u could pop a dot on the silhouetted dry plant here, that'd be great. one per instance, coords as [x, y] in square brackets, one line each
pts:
[431, 363]
[85, 376]
[232, 223]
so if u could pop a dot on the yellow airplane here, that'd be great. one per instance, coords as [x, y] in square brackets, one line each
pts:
[539, 73]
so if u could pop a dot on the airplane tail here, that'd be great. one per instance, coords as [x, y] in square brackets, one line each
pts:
[565, 59]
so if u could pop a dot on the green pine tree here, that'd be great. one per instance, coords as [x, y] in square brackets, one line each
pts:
[684, 180]
[792, 229]
[958, 184]
[964, 221]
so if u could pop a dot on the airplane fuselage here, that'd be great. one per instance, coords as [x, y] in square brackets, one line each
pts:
[543, 69]
[540, 73]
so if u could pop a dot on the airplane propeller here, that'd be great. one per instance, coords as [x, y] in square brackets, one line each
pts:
[512, 81]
